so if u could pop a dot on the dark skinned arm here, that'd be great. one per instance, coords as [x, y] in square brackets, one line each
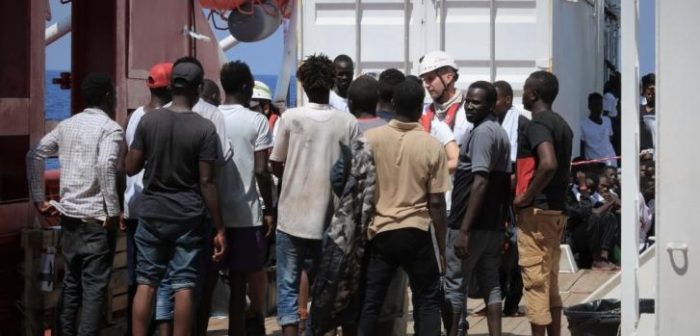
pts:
[474, 204]
[277, 168]
[264, 179]
[438, 214]
[543, 174]
[582, 146]
[134, 162]
[211, 199]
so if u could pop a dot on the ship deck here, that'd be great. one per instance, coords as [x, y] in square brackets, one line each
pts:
[574, 288]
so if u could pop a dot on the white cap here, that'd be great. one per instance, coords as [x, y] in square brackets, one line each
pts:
[435, 60]
[261, 91]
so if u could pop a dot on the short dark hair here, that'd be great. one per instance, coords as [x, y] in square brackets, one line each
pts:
[364, 94]
[594, 96]
[95, 86]
[209, 87]
[504, 87]
[408, 98]
[316, 73]
[490, 89]
[387, 81]
[189, 59]
[343, 58]
[236, 78]
[545, 84]
[648, 79]
[415, 79]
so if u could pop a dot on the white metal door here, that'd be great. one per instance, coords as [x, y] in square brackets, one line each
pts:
[678, 163]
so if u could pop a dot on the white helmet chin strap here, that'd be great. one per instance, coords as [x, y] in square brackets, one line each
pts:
[444, 86]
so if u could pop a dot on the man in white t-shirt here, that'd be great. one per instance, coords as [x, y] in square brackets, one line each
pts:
[306, 147]
[247, 224]
[158, 82]
[596, 133]
[344, 71]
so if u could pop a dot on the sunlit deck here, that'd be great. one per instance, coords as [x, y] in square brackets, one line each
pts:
[574, 287]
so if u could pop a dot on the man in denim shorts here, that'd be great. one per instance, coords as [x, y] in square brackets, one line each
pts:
[178, 149]
[543, 168]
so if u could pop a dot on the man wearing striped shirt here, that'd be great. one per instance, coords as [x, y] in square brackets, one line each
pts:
[87, 145]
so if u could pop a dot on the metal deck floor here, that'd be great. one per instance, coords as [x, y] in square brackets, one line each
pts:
[574, 288]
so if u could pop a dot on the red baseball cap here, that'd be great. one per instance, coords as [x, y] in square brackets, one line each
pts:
[159, 76]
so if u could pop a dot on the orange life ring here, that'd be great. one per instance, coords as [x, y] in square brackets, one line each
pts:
[222, 4]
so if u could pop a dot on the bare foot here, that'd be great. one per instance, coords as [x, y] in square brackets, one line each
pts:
[602, 265]
[481, 312]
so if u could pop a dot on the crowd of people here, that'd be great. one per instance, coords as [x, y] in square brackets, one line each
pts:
[357, 194]
[593, 203]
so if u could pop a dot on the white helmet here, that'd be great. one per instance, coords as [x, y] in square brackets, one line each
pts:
[435, 60]
[261, 91]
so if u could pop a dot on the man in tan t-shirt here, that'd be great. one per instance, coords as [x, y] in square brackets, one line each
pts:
[412, 177]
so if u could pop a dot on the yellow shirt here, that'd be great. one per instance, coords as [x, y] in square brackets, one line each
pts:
[410, 165]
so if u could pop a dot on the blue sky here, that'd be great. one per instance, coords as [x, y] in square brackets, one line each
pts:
[265, 57]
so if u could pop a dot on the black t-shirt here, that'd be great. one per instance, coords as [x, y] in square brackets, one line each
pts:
[173, 144]
[548, 126]
[486, 151]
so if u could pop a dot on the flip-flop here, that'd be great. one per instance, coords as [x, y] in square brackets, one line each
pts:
[516, 314]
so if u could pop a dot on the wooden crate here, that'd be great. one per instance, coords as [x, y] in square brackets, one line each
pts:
[39, 306]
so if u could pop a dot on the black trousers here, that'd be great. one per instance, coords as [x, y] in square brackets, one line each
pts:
[412, 250]
[88, 252]
[511, 280]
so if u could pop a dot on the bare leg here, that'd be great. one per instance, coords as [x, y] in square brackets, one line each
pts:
[142, 309]
[204, 309]
[290, 330]
[183, 312]
[538, 330]
[303, 299]
[554, 328]
[236, 308]
[165, 328]
[493, 318]
[257, 291]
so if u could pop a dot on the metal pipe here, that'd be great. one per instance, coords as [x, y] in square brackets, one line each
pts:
[492, 49]
[630, 175]
[58, 30]
[228, 43]
[406, 36]
[289, 57]
[443, 15]
[358, 37]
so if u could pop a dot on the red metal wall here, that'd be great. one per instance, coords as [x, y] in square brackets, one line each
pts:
[21, 103]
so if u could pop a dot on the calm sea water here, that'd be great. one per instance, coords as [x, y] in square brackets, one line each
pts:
[57, 101]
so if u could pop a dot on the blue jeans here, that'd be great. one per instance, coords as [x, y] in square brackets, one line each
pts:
[173, 247]
[291, 252]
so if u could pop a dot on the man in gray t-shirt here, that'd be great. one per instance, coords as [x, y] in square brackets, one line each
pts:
[479, 203]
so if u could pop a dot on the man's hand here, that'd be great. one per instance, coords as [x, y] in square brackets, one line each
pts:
[521, 201]
[45, 209]
[268, 225]
[462, 245]
[219, 246]
[111, 222]
[122, 223]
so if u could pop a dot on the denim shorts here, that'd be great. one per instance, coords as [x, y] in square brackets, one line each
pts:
[175, 247]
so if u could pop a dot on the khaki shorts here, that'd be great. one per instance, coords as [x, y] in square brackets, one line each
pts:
[539, 236]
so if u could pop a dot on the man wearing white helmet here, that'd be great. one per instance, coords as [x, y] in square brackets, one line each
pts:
[262, 102]
[438, 71]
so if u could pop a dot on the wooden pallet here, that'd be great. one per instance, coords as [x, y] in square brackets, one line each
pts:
[39, 307]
